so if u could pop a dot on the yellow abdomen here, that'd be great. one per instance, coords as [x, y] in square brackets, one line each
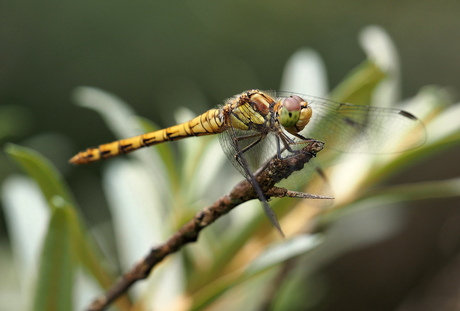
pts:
[210, 122]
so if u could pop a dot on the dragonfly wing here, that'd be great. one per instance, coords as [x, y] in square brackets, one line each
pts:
[362, 129]
[310, 179]
[245, 150]
[255, 147]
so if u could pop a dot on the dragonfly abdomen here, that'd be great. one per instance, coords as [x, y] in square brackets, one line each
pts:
[208, 123]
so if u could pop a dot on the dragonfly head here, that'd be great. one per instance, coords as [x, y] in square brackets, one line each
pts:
[294, 114]
[290, 111]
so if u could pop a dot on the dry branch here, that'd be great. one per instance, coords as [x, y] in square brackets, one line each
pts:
[272, 173]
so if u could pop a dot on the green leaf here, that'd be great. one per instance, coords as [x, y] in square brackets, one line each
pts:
[54, 286]
[283, 251]
[59, 198]
[228, 246]
[416, 191]
[270, 258]
[42, 171]
[391, 195]
[442, 128]
[358, 86]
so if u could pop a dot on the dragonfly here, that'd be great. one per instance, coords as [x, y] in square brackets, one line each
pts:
[255, 125]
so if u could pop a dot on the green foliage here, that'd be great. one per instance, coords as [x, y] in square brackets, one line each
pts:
[56, 274]
[66, 245]
[359, 85]
[152, 193]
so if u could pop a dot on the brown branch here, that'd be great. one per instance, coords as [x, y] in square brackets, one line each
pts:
[275, 171]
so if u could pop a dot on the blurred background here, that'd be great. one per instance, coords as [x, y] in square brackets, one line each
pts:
[158, 56]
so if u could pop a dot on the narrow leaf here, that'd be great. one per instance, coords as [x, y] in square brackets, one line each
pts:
[283, 251]
[358, 86]
[42, 171]
[57, 267]
[57, 195]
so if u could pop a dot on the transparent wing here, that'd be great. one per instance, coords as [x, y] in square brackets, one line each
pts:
[234, 142]
[366, 129]
[254, 150]
[263, 150]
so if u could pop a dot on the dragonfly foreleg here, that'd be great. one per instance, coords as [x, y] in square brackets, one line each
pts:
[304, 140]
[288, 143]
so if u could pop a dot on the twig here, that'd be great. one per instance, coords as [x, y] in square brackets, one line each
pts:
[275, 171]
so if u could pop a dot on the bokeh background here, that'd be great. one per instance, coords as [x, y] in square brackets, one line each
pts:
[159, 56]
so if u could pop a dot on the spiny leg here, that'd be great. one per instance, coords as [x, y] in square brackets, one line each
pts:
[287, 142]
[252, 180]
[254, 143]
[239, 156]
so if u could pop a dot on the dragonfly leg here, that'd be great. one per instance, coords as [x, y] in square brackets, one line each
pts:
[254, 143]
[252, 180]
[240, 158]
[305, 140]
[288, 143]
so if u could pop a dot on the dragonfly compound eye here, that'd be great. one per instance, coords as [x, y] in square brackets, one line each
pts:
[290, 111]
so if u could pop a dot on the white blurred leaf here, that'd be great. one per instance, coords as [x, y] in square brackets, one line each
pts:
[282, 252]
[444, 125]
[190, 148]
[26, 216]
[122, 121]
[138, 212]
[380, 49]
[141, 220]
[115, 111]
[305, 73]
[207, 170]
[166, 285]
